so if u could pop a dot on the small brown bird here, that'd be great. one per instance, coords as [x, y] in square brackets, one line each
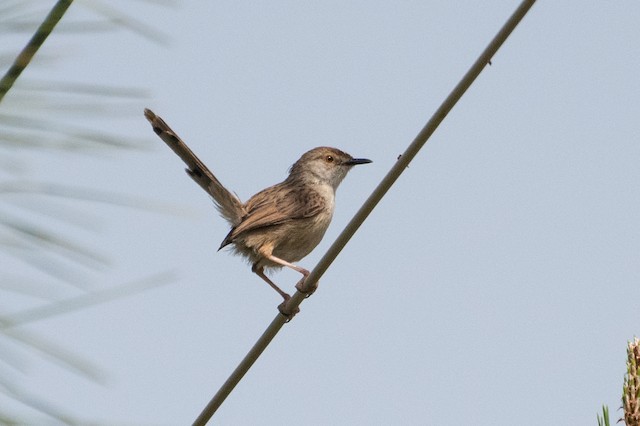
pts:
[281, 224]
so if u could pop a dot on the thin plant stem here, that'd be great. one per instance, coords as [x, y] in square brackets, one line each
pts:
[29, 51]
[365, 210]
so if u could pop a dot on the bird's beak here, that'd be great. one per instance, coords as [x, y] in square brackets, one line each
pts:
[355, 161]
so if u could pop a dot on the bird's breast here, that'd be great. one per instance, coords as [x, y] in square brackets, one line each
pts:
[303, 235]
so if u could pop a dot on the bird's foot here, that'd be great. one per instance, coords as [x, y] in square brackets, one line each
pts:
[306, 289]
[287, 310]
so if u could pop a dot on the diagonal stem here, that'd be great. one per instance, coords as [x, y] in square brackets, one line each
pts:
[366, 209]
[29, 51]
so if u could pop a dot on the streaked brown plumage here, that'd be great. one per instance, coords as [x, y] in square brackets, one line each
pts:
[280, 224]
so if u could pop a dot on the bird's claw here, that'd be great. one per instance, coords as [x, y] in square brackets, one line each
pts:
[286, 310]
[305, 289]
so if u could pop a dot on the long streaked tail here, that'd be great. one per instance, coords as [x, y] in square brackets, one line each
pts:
[229, 206]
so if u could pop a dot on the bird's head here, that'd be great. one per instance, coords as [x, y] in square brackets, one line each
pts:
[324, 165]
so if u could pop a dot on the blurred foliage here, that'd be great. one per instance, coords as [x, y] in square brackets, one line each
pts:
[44, 116]
[604, 419]
[631, 386]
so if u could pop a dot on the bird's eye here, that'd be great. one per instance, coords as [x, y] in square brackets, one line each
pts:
[329, 158]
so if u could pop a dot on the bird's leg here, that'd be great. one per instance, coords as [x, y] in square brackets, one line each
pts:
[283, 308]
[259, 271]
[300, 286]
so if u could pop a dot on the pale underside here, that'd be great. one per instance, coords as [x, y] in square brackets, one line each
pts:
[286, 221]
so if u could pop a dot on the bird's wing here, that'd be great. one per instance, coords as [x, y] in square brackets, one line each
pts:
[276, 205]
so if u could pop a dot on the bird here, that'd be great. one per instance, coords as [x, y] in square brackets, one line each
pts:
[281, 224]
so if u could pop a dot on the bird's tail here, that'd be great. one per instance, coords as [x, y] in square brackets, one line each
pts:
[228, 204]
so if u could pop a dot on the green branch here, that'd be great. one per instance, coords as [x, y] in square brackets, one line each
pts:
[375, 197]
[29, 51]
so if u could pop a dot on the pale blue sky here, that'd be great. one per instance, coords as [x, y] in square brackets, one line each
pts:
[496, 284]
